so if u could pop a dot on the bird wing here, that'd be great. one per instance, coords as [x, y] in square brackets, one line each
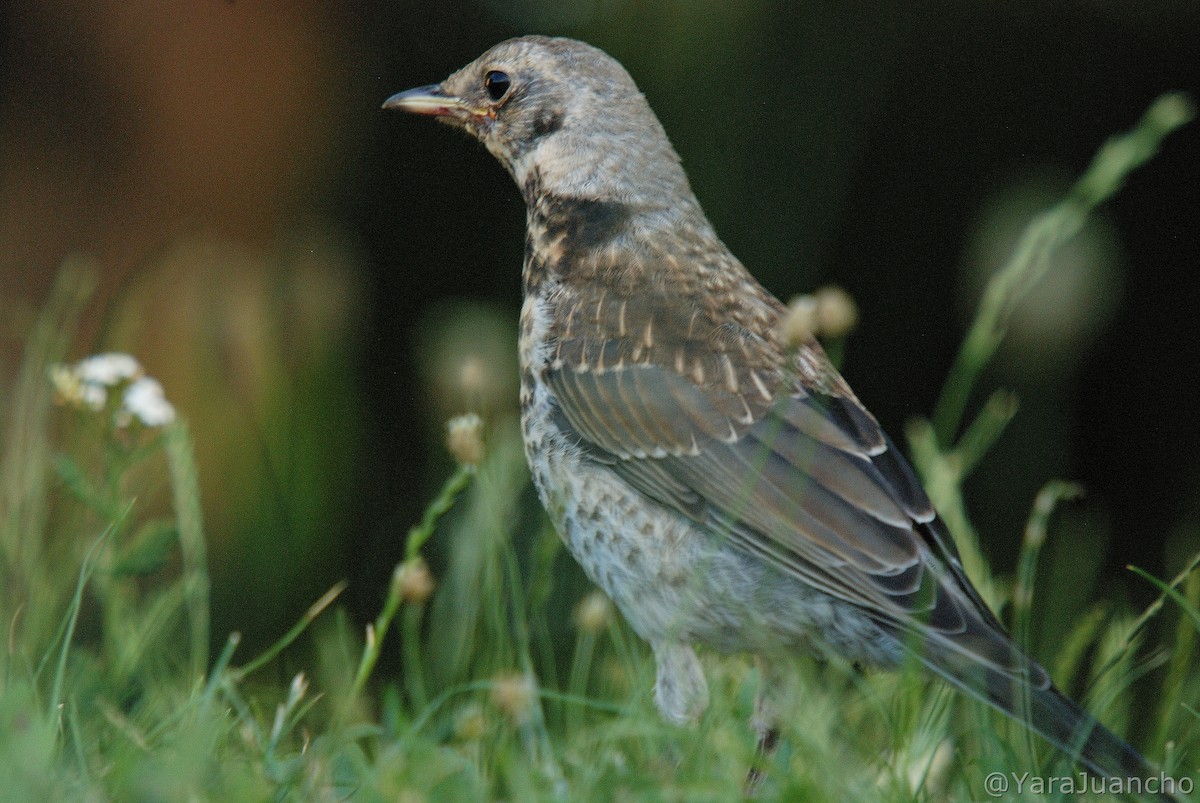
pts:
[808, 482]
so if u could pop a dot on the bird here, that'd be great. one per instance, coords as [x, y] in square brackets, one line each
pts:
[722, 484]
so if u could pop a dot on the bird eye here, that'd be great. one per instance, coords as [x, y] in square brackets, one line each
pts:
[496, 83]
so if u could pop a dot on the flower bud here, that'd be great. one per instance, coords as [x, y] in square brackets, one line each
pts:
[799, 323]
[464, 439]
[512, 693]
[469, 723]
[593, 613]
[836, 312]
[414, 580]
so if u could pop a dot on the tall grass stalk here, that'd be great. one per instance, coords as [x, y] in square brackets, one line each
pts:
[1115, 160]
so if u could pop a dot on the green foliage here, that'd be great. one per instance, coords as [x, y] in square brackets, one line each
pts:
[107, 690]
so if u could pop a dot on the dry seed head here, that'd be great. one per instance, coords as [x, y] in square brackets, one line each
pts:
[593, 613]
[468, 359]
[472, 376]
[836, 312]
[512, 693]
[799, 323]
[469, 723]
[414, 580]
[464, 439]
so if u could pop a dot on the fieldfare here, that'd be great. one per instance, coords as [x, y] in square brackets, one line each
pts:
[723, 486]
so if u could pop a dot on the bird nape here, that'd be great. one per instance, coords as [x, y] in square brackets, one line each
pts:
[722, 485]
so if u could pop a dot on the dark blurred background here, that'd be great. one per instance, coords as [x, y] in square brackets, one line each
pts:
[319, 284]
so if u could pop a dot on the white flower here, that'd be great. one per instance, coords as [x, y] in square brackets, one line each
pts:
[86, 386]
[108, 369]
[94, 397]
[144, 399]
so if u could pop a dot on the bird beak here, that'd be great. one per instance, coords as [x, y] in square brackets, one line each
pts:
[430, 100]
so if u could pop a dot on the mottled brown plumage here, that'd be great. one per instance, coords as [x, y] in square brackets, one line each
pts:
[721, 488]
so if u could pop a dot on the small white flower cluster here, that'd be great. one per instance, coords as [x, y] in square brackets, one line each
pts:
[87, 384]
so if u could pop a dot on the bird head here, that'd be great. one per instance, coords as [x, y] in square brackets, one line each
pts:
[559, 110]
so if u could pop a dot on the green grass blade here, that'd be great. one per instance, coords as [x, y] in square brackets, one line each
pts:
[185, 488]
[1114, 161]
[90, 561]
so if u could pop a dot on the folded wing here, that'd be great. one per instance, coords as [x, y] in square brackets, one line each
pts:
[811, 485]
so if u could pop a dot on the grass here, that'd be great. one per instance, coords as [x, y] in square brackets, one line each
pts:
[510, 689]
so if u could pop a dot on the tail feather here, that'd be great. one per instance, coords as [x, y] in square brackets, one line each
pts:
[1077, 733]
[981, 659]
[1074, 731]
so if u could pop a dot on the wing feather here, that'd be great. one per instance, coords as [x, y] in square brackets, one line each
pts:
[813, 486]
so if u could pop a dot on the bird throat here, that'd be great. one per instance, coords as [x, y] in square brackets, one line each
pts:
[564, 234]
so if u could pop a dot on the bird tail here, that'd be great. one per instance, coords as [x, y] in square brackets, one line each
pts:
[1074, 731]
